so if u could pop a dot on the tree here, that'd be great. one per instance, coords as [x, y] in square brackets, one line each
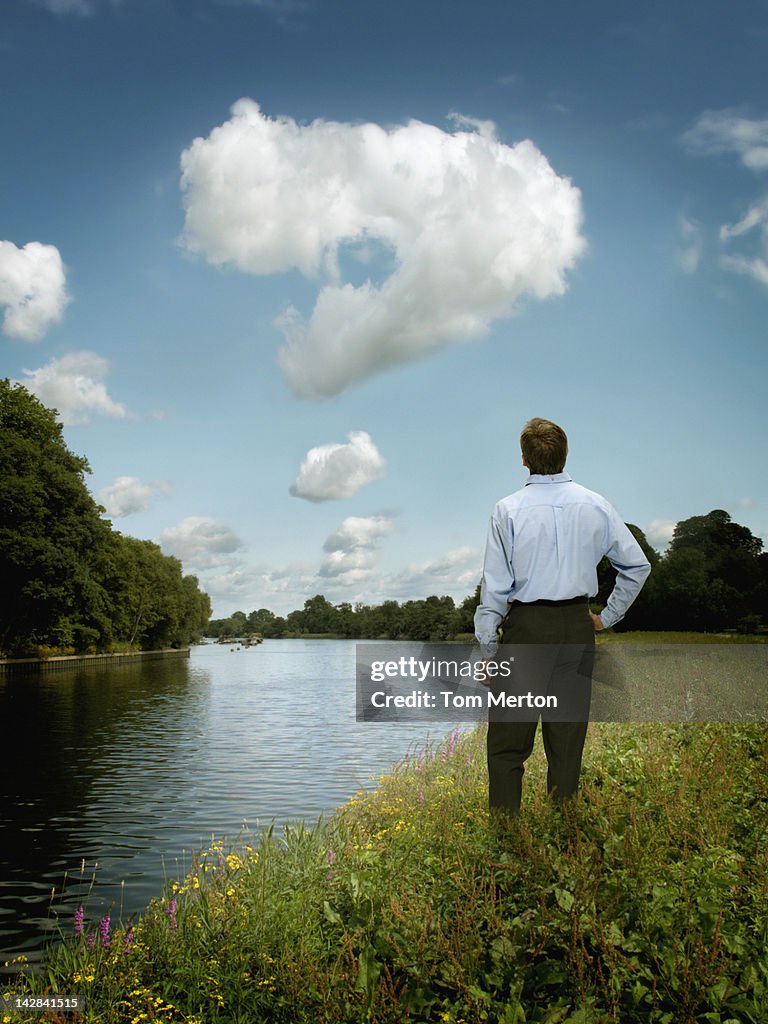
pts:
[67, 579]
[710, 578]
[50, 530]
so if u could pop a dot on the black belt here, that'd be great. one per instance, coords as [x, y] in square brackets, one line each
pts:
[557, 604]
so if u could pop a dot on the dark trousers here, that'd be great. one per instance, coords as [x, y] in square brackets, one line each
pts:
[553, 647]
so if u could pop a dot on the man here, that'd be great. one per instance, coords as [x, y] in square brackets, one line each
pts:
[544, 544]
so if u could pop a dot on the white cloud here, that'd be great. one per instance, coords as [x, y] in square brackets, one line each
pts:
[68, 6]
[127, 495]
[201, 543]
[457, 574]
[351, 550]
[756, 268]
[753, 265]
[471, 225]
[659, 532]
[728, 131]
[756, 216]
[281, 9]
[691, 245]
[74, 385]
[32, 289]
[333, 471]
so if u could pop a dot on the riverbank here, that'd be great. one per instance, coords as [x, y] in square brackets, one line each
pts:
[21, 666]
[646, 902]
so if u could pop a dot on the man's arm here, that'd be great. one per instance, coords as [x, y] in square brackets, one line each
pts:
[632, 570]
[495, 589]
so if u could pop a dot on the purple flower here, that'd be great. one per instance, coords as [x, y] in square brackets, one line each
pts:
[89, 940]
[79, 915]
[104, 931]
[172, 913]
[331, 855]
[128, 939]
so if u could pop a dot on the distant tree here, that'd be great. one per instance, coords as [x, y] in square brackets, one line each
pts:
[467, 609]
[319, 615]
[711, 576]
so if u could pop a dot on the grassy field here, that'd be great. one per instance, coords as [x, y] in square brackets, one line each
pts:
[644, 901]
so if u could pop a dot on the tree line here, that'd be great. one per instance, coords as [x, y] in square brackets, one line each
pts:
[713, 576]
[68, 580]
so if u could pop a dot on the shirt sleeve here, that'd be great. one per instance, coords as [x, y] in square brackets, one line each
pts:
[632, 570]
[495, 588]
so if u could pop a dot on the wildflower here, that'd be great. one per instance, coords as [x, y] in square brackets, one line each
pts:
[171, 911]
[89, 940]
[331, 855]
[104, 931]
[128, 939]
[79, 915]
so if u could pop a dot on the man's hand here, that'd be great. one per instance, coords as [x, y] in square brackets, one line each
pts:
[480, 666]
[597, 621]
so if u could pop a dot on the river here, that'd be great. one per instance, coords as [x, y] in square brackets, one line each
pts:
[112, 777]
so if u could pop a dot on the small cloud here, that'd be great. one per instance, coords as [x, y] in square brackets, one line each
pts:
[729, 131]
[660, 531]
[67, 6]
[753, 265]
[456, 572]
[756, 268]
[351, 550]
[509, 81]
[746, 502]
[199, 536]
[691, 245]
[74, 385]
[284, 12]
[127, 495]
[206, 547]
[756, 216]
[334, 471]
[32, 289]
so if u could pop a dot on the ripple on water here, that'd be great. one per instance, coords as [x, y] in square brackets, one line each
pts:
[136, 766]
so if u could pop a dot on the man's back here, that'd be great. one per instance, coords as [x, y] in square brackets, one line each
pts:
[540, 569]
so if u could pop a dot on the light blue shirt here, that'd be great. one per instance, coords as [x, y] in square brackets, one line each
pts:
[545, 542]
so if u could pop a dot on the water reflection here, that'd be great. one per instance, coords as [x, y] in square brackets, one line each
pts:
[131, 766]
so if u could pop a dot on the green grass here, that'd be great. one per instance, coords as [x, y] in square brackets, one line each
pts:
[644, 901]
[641, 636]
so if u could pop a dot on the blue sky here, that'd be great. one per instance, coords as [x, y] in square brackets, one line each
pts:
[298, 352]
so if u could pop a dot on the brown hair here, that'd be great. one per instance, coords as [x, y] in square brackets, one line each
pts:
[544, 446]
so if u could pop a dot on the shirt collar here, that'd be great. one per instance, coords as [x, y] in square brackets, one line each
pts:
[547, 478]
